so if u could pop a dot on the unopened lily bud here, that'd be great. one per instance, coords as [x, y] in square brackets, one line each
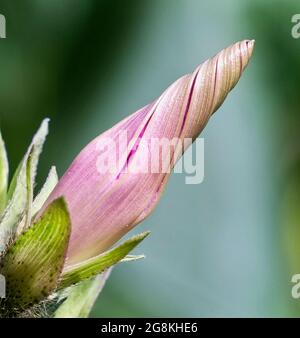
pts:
[104, 205]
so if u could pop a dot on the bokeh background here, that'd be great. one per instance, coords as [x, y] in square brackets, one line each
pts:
[227, 247]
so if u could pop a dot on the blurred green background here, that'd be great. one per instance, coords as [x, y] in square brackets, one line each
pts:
[227, 247]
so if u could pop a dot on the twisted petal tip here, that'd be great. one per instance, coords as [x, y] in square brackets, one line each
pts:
[250, 46]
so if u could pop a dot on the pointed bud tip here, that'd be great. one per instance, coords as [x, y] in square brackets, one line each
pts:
[228, 66]
[246, 47]
[250, 45]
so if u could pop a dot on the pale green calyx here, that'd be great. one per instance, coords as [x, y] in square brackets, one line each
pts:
[33, 264]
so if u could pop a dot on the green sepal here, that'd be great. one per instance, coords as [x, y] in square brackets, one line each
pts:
[39, 200]
[21, 188]
[33, 264]
[37, 141]
[82, 297]
[95, 265]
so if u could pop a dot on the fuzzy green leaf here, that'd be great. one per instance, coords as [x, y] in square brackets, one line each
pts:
[41, 198]
[82, 297]
[3, 175]
[33, 264]
[95, 265]
[21, 188]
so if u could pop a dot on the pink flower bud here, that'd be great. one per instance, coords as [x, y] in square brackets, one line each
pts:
[106, 205]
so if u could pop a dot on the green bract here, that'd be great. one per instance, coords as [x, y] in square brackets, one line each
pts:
[33, 264]
[20, 190]
[93, 266]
